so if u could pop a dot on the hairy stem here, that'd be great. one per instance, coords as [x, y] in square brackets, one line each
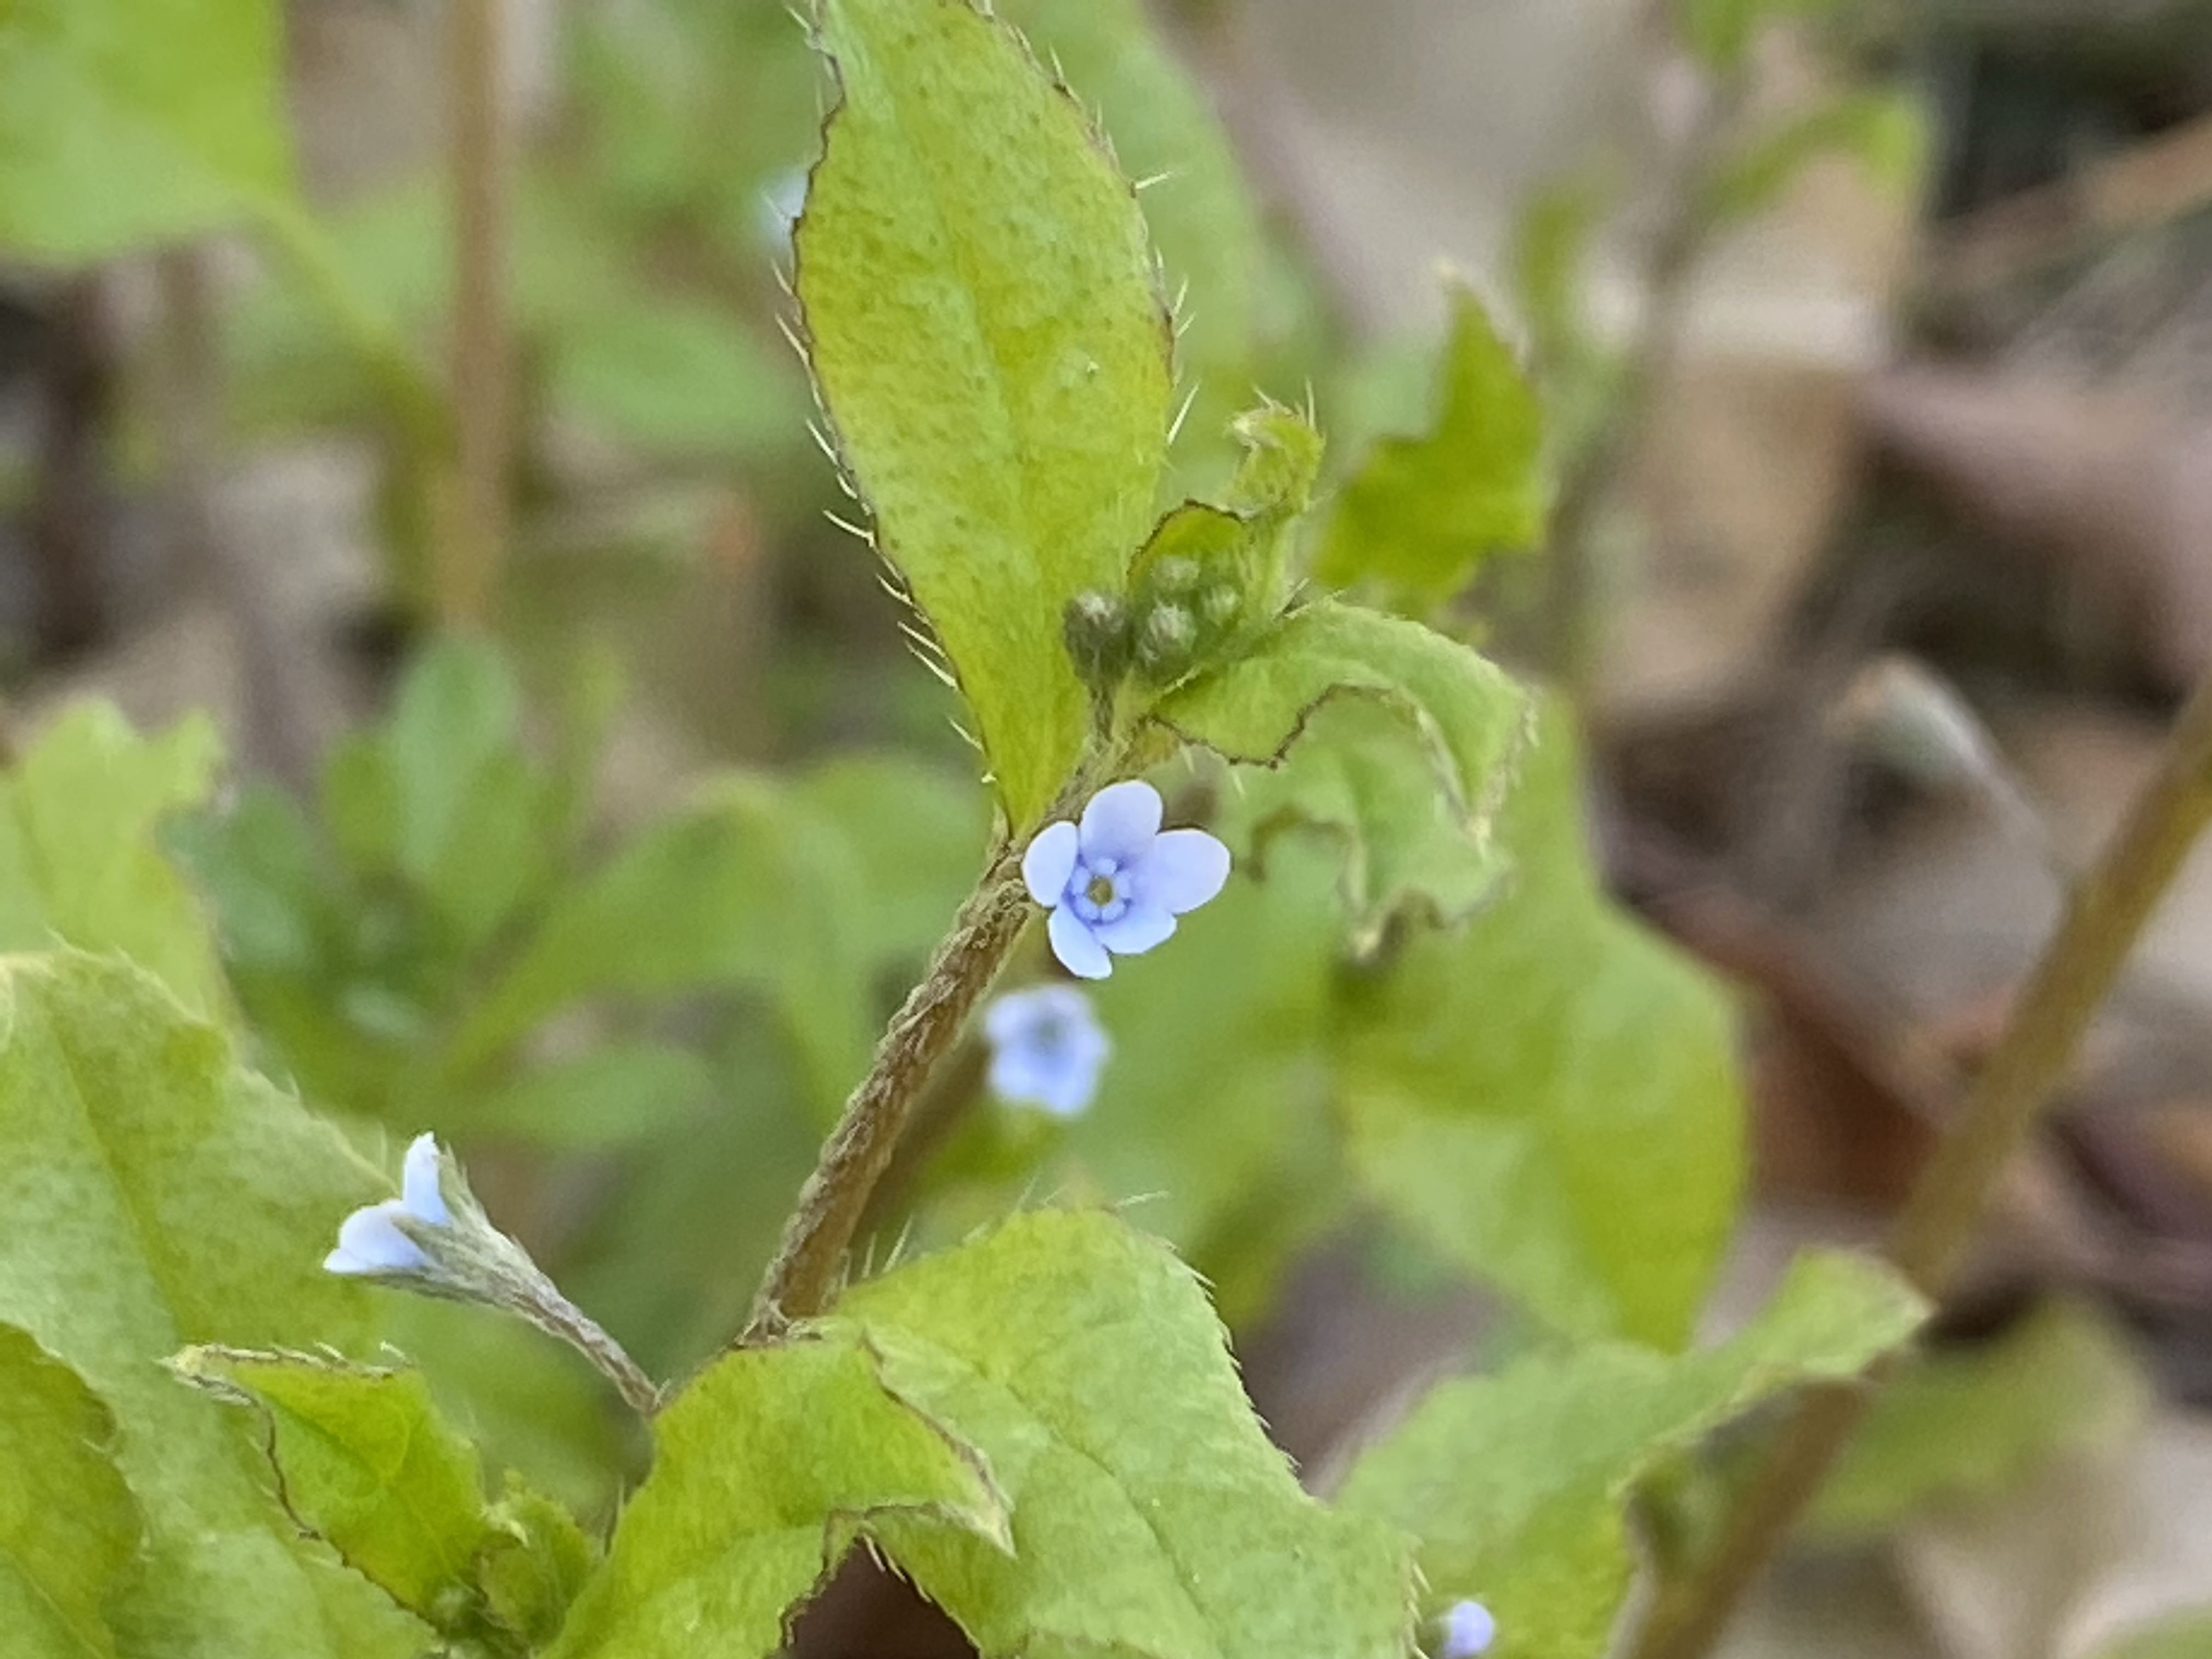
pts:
[2105, 914]
[561, 1319]
[801, 1279]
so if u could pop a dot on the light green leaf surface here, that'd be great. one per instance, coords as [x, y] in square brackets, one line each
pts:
[1151, 1515]
[766, 1467]
[1357, 774]
[69, 1525]
[1469, 712]
[1517, 1483]
[1971, 1424]
[363, 1460]
[1420, 514]
[123, 126]
[1203, 219]
[79, 858]
[1549, 1096]
[158, 1195]
[1398, 742]
[536, 1564]
[988, 338]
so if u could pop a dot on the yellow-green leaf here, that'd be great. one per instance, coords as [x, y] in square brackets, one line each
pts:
[69, 1525]
[766, 1468]
[1151, 1516]
[988, 335]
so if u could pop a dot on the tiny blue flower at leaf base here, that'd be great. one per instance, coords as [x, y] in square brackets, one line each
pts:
[1469, 1630]
[1115, 883]
[1046, 1049]
[370, 1242]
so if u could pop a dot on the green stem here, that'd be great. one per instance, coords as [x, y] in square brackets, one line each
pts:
[801, 1280]
[2104, 915]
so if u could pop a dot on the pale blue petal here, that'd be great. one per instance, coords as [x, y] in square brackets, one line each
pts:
[418, 1182]
[1078, 952]
[1136, 930]
[1049, 862]
[370, 1241]
[1184, 869]
[1120, 822]
[1469, 1630]
[1069, 1091]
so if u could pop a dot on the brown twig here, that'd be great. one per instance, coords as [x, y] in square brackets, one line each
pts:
[2104, 915]
[466, 578]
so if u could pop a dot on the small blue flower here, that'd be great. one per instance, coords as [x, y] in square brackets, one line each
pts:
[1046, 1049]
[370, 1242]
[1116, 883]
[1469, 1630]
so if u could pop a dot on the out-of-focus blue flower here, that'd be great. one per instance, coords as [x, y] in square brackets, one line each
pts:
[1046, 1049]
[1115, 884]
[369, 1240]
[1469, 1630]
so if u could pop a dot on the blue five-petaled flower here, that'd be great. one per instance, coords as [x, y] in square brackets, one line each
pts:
[369, 1240]
[1469, 1630]
[1116, 883]
[1046, 1049]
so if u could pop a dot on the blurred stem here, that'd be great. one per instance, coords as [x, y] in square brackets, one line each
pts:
[1573, 600]
[469, 549]
[187, 408]
[2105, 914]
[66, 511]
[802, 1278]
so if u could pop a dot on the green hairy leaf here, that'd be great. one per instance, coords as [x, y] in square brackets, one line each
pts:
[1518, 1482]
[79, 855]
[365, 1462]
[158, 1195]
[1549, 1096]
[989, 341]
[1150, 1514]
[1967, 1425]
[1421, 515]
[766, 1468]
[122, 126]
[69, 1525]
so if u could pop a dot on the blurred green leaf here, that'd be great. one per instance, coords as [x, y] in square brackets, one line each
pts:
[1232, 1018]
[1420, 514]
[1550, 1095]
[612, 1094]
[364, 1461]
[157, 1195]
[80, 861]
[768, 1465]
[69, 1525]
[125, 126]
[1881, 129]
[1518, 1483]
[1551, 250]
[998, 376]
[1151, 1516]
[2182, 1636]
[668, 376]
[1970, 1425]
